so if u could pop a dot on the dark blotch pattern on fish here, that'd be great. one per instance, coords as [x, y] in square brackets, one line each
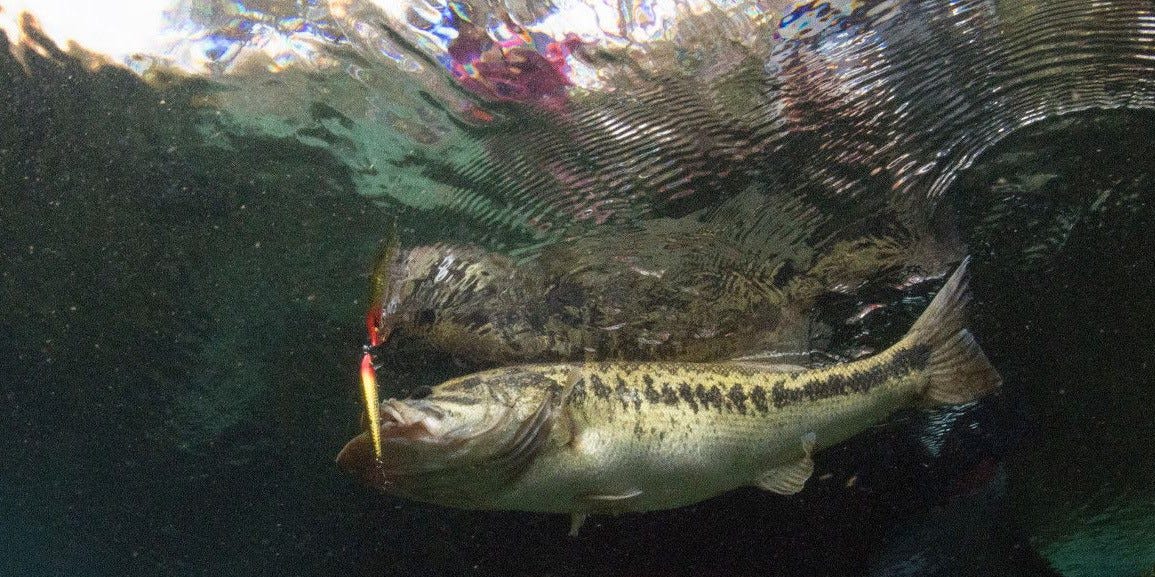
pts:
[623, 391]
[906, 360]
[686, 393]
[709, 396]
[601, 391]
[469, 383]
[651, 393]
[737, 398]
[731, 392]
[578, 395]
[758, 397]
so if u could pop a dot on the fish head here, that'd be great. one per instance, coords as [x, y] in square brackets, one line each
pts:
[454, 447]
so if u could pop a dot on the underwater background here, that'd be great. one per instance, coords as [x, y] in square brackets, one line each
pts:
[188, 224]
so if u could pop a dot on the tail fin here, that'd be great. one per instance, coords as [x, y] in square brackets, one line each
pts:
[958, 371]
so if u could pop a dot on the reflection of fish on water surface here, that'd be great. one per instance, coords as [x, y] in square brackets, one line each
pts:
[602, 437]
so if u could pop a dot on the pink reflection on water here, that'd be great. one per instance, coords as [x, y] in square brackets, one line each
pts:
[522, 67]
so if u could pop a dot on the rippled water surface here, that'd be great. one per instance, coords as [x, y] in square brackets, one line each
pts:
[191, 195]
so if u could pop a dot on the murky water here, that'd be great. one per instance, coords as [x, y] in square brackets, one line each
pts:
[188, 218]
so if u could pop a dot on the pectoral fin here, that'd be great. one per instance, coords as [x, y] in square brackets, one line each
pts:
[790, 478]
[576, 520]
[609, 498]
[601, 503]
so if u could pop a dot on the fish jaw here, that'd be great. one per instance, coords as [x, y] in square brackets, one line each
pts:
[460, 452]
[377, 457]
[358, 459]
[407, 430]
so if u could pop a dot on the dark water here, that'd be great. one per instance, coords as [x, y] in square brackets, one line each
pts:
[181, 320]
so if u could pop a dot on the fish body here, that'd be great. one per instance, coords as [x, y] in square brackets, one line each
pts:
[608, 437]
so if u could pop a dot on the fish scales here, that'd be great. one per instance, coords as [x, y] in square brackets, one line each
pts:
[737, 399]
[602, 437]
[728, 390]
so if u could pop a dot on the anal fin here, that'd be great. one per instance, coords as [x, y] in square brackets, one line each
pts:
[790, 478]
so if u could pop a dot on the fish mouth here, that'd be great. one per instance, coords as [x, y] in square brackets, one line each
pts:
[406, 426]
[358, 460]
[410, 421]
[401, 423]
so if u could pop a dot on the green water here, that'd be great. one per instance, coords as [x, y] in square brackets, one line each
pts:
[181, 322]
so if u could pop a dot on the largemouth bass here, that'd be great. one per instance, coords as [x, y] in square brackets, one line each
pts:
[610, 437]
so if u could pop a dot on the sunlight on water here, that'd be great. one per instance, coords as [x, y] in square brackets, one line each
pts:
[188, 35]
[116, 28]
